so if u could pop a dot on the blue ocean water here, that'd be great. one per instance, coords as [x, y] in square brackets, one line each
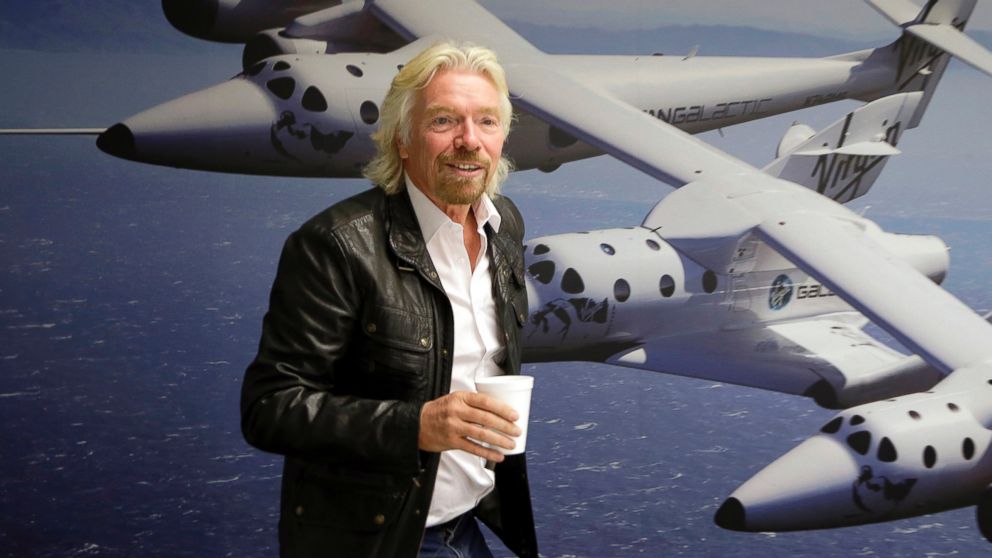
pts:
[130, 302]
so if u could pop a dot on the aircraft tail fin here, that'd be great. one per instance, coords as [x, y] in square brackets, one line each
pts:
[930, 36]
[843, 161]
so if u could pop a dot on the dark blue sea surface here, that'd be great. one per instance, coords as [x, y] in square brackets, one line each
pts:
[131, 299]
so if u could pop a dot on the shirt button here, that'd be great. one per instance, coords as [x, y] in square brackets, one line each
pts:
[370, 328]
[379, 519]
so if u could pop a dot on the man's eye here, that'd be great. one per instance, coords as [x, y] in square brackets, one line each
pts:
[441, 121]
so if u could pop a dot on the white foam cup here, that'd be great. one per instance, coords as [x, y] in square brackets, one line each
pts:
[514, 391]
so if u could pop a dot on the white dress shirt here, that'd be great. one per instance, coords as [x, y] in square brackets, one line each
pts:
[462, 478]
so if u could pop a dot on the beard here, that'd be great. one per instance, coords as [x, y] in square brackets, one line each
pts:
[461, 190]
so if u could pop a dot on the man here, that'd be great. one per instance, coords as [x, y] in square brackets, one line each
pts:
[385, 309]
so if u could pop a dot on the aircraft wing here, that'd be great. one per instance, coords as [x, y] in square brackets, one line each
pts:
[830, 360]
[589, 114]
[725, 197]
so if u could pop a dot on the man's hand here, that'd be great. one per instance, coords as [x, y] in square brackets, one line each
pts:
[449, 421]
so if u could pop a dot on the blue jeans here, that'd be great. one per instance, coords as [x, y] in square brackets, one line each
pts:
[458, 538]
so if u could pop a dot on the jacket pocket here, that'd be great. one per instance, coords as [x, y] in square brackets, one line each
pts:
[395, 353]
[346, 500]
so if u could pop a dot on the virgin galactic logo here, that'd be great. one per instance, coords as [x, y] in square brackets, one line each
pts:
[780, 293]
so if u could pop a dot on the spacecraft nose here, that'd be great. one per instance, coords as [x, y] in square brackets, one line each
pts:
[731, 515]
[193, 17]
[807, 488]
[117, 140]
[223, 127]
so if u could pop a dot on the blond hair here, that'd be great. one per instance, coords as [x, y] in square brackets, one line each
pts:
[386, 168]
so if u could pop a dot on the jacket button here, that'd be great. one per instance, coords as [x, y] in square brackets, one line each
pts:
[425, 341]
[370, 328]
[433, 275]
[379, 519]
[299, 510]
[521, 317]
[444, 352]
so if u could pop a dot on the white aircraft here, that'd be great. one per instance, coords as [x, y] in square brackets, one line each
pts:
[750, 276]
[755, 277]
[315, 72]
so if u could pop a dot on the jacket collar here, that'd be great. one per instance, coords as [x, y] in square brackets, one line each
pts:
[405, 238]
[431, 218]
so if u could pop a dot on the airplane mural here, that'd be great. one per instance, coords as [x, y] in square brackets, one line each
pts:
[757, 277]
[314, 74]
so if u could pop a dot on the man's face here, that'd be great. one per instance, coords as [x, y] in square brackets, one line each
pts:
[456, 138]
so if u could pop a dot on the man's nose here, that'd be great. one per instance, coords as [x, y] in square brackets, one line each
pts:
[468, 137]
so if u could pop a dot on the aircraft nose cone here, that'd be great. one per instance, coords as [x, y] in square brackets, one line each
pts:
[228, 127]
[118, 140]
[731, 515]
[193, 17]
[809, 487]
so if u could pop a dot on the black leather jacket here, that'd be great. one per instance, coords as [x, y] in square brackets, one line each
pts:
[357, 337]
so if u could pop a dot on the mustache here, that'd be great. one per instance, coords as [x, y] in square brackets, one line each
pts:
[472, 157]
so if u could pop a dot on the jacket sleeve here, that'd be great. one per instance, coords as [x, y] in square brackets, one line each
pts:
[288, 400]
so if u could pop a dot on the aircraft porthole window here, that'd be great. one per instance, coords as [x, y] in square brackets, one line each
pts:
[929, 457]
[256, 69]
[857, 419]
[571, 282]
[313, 100]
[653, 245]
[953, 407]
[354, 70]
[621, 290]
[666, 286]
[541, 249]
[968, 448]
[709, 281]
[369, 112]
[607, 249]
[282, 87]
[914, 415]
[887, 451]
[860, 442]
[833, 426]
[280, 66]
[542, 271]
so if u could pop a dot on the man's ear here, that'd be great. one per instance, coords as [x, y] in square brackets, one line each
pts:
[401, 147]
